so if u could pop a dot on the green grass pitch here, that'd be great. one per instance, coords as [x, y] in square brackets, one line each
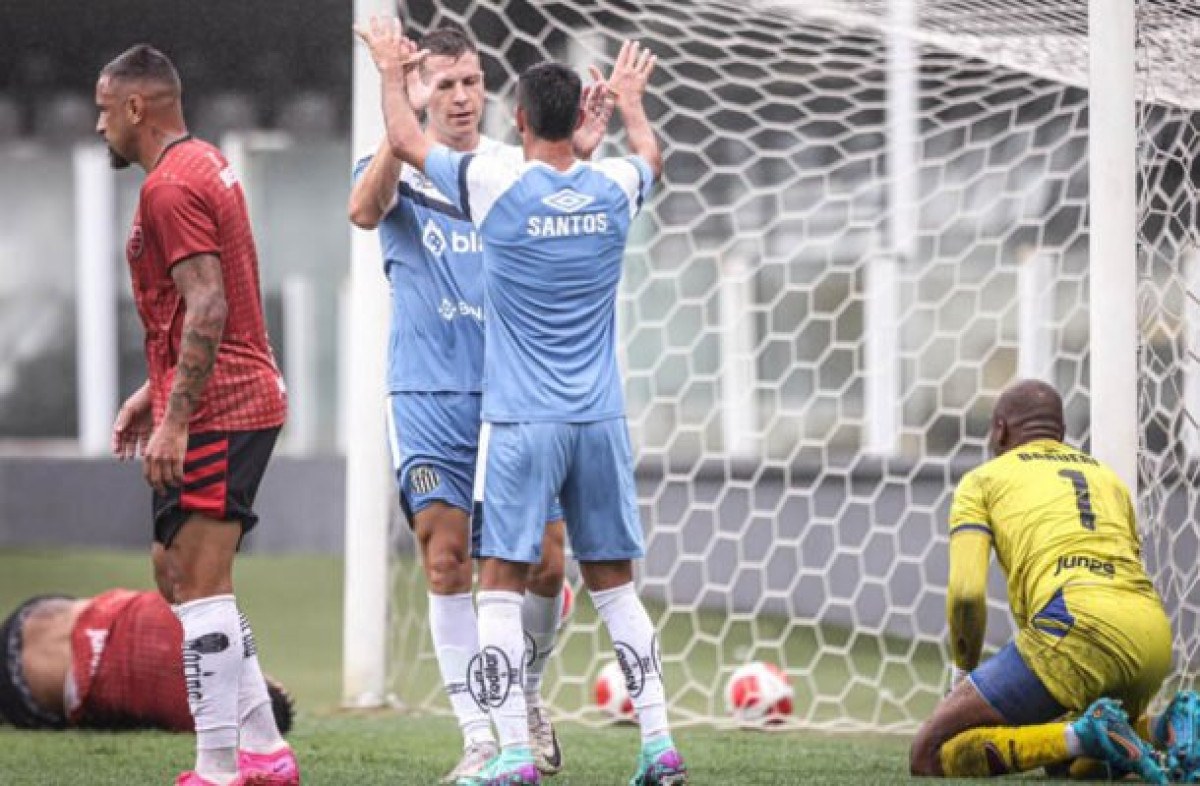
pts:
[295, 605]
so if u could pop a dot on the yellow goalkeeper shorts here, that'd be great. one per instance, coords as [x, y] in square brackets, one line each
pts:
[1092, 641]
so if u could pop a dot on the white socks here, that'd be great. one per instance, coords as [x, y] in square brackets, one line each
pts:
[259, 733]
[502, 662]
[636, 647]
[539, 618]
[456, 642]
[212, 667]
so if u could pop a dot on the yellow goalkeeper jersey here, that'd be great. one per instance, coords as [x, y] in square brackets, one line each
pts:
[1056, 516]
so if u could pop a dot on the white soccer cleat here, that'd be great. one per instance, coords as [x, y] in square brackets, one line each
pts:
[547, 754]
[475, 757]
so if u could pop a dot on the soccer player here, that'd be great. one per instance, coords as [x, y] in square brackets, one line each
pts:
[554, 231]
[107, 662]
[206, 420]
[1092, 634]
[433, 258]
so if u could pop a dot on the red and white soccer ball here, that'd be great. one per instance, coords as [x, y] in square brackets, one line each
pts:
[567, 604]
[611, 694]
[759, 693]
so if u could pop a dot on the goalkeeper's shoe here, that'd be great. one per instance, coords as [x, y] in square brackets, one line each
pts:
[660, 765]
[547, 753]
[1105, 734]
[512, 767]
[269, 769]
[1178, 730]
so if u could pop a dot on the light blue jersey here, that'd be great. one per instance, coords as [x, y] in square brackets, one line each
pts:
[433, 258]
[553, 246]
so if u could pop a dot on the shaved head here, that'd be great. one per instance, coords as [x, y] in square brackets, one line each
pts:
[143, 63]
[1027, 410]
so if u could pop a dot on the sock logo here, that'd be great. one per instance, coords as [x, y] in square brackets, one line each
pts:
[493, 680]
[249, 645]
[531, 650]
[632, 667]
[193, 652]
[208, 644]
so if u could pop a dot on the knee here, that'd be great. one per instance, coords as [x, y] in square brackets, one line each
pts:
[448, 570]
[546, 578]
[923, 756]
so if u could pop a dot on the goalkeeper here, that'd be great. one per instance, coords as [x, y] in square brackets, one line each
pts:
[109, 662]
[1092, 634]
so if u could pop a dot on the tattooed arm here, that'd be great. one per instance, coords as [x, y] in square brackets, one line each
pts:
[199, 280]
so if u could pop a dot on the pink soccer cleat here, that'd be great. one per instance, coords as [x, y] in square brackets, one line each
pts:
[269, 769]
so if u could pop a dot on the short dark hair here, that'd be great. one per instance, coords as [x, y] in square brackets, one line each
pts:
[550, 93]
[144, 62]
[449, 40]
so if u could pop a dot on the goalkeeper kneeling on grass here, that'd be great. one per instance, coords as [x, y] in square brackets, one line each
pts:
[1093, 642]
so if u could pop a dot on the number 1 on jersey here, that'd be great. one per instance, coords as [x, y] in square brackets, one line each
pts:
[1083, 497]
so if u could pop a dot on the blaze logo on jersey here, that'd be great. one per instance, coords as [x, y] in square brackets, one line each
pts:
[433, 238]
[568, 201]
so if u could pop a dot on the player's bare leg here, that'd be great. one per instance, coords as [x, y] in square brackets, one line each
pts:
[443, 534]
[636, 645]
[199, 567]
[226, 690]
[541, 617]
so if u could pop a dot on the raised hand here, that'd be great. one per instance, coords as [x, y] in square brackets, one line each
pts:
[390, 49]
[631, 74]
[597, 103]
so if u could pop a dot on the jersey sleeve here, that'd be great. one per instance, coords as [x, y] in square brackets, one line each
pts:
[968, 512]
[183, 222]
[472, 182]
[966, 586]
[633, 175]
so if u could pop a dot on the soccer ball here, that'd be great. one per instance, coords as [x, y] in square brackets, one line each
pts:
[759, 693]
[611, 694]
[568, 604]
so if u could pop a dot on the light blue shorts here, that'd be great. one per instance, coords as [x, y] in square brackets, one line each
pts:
[435, 447]
[588, 466]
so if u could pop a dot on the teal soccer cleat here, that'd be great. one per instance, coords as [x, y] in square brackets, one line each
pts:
[1105, 734]
[1178, 730]
[513, 767]
[660, 765]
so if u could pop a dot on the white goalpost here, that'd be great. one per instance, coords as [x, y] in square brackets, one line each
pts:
[874, 215]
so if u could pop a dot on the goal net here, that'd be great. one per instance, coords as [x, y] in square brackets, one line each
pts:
[873, 217]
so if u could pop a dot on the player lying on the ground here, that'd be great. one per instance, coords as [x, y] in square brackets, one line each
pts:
[433, 260]
[108, 662]
[1092, 634]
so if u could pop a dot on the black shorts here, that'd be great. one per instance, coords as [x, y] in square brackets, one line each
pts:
[17, 706]
[221, 473]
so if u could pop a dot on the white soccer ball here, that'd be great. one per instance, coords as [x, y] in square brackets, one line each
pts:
[759, 693]
[611, 694]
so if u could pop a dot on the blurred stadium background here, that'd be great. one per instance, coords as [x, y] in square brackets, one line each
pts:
[874, 217]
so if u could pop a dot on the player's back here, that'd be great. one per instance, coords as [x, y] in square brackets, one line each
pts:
[1057, 517]
[127, 667]
[554, 244]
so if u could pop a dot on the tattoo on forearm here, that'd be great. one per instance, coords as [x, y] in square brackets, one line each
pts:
[197, 356]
